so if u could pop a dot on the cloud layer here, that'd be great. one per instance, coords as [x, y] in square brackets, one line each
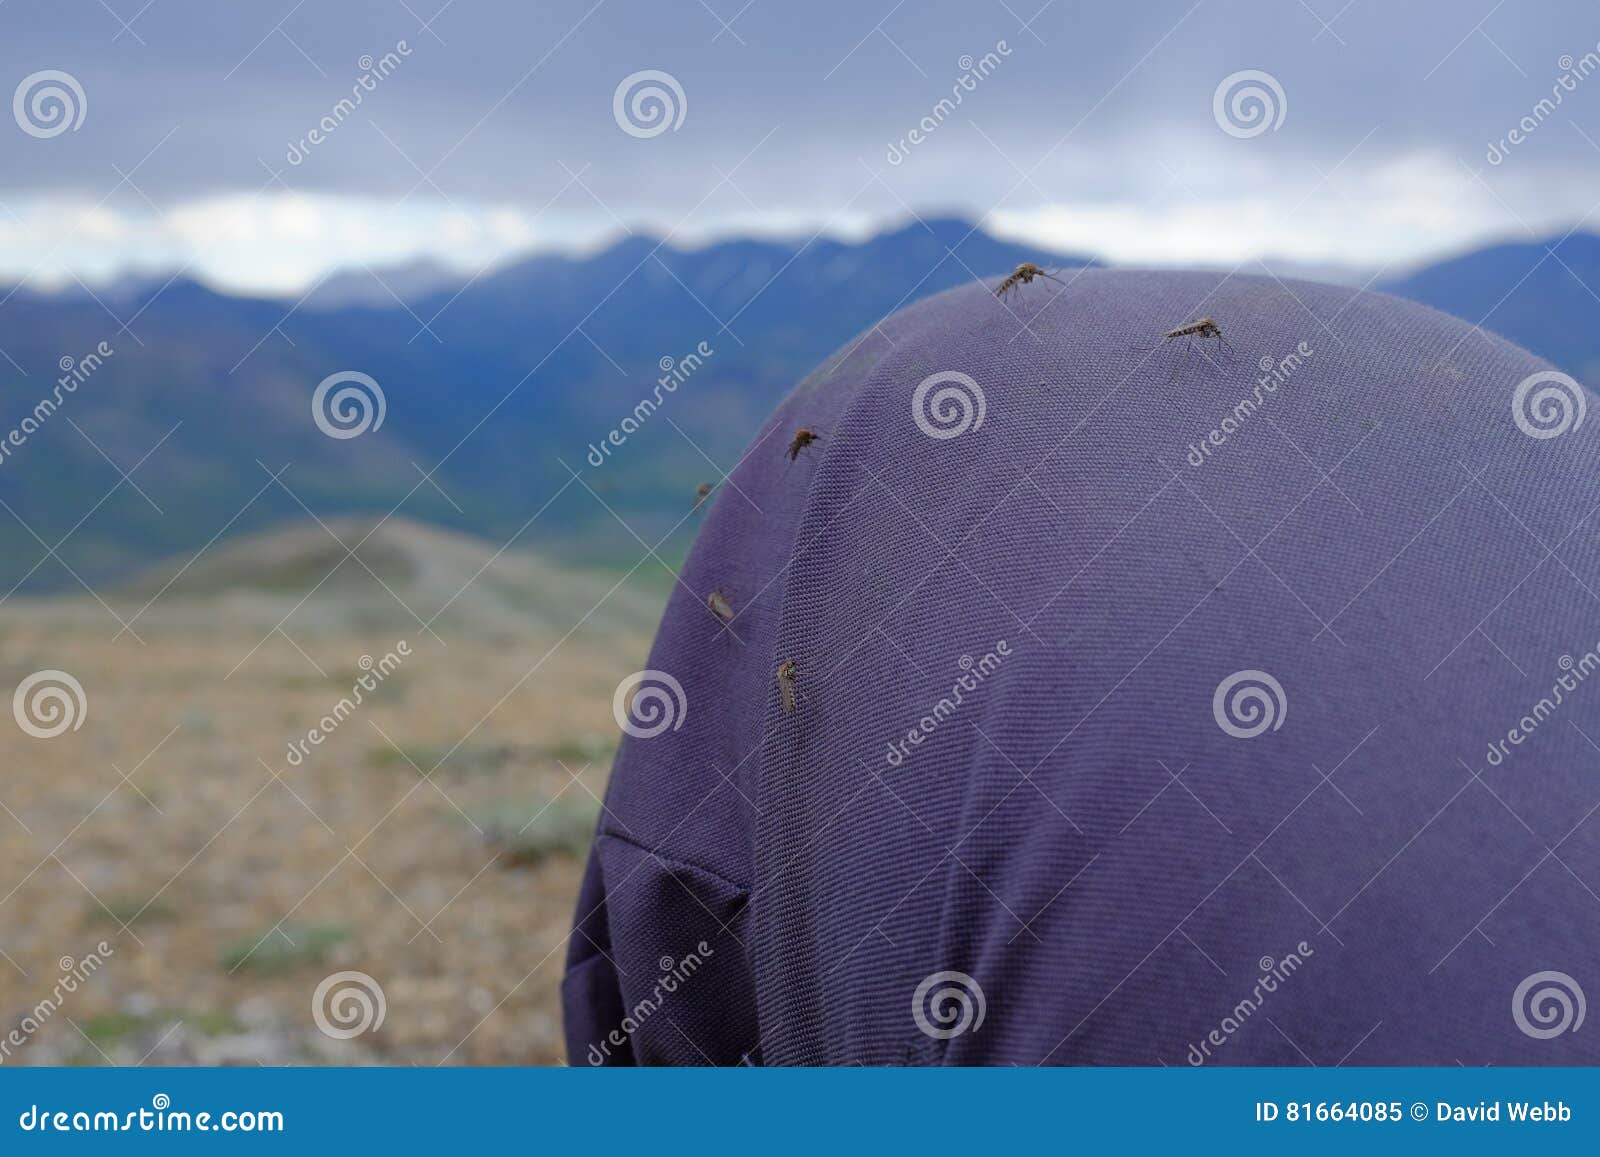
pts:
[265, 146]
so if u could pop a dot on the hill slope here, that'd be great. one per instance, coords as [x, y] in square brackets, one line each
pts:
[1540, 295]
[351, 576]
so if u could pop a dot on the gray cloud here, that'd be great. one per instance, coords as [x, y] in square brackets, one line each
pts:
[1098, 109]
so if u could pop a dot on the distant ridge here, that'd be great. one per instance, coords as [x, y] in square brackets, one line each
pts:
[388, 288]
[490, 385]
[452, 581]
[1541, 295]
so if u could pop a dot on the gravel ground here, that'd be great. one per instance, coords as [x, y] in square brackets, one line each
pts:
[226, 883]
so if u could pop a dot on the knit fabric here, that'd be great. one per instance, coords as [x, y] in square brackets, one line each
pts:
[1144, 713]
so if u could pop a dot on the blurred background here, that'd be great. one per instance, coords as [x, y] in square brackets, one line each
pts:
[360, 363]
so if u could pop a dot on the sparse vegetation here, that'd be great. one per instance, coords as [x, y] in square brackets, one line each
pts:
[110, 1028]
[120, 910]
[232, 853]
[573, 752]
[281, 949]
[576, 751]
[528, 831]
[463, 759]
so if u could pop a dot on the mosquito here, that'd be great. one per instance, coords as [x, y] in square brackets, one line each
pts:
[1203, 327]
[720, 606]
[787, 672]
[701, 493]
[1023, 275]
[803, 437]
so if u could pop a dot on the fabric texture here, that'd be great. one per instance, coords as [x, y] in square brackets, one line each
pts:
[1211, 684]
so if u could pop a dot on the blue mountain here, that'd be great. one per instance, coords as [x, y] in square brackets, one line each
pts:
[498, 386]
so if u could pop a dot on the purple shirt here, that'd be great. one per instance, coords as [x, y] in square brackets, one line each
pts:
[1206, 700]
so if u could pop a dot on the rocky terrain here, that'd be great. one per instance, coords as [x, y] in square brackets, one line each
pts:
[433, 839]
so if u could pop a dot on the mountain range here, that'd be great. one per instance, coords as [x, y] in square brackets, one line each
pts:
[198, 424]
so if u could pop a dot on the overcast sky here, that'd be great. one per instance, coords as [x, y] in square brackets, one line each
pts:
[1096, 128]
